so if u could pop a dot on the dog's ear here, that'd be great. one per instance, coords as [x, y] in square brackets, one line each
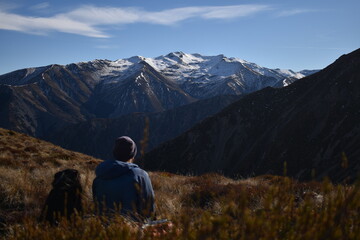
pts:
[57, 178]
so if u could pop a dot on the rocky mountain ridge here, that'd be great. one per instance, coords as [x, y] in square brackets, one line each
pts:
[308, 129]
[39, 100]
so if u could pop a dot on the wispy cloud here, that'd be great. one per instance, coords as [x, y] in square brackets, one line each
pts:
[87, 20]
[173, 16]
[40, 25]
[292, 12]
[5, 6]
[40, 6]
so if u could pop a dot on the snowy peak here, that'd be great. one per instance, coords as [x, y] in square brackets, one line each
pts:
[291, 73]
[180, 66]
[191, 76]
[159, 83]
[177, 66]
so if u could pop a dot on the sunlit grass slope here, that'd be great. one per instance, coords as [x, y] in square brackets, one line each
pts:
[201, 207]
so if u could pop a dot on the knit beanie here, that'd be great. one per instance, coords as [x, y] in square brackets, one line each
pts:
[124, 149]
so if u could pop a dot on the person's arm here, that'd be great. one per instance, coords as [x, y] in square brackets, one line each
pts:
[147, 202]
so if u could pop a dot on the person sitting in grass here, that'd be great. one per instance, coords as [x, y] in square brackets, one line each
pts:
[123, 187]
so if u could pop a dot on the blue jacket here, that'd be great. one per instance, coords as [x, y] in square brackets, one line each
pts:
[123, 187]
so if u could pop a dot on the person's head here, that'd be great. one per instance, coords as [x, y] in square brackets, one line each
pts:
[124, 149]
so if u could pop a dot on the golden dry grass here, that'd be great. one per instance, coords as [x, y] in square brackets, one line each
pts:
[201, 207]
[27, 167]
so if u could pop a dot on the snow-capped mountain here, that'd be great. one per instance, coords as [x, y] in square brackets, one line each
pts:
[199, 76]
[313, 126]
[36, 99]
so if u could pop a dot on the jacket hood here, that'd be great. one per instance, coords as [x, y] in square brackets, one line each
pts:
[110, 169]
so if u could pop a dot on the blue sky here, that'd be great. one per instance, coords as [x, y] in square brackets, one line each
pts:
[273, 33]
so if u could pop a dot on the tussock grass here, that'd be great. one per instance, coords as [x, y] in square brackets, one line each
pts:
[200, 207]
[27, 168]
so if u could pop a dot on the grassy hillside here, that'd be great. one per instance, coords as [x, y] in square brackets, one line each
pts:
[27, 167]
[204, 207]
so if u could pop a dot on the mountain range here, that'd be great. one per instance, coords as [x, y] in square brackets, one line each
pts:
[309, 129]
[55, 99]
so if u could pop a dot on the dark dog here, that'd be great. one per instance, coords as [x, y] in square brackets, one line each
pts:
[65, 197]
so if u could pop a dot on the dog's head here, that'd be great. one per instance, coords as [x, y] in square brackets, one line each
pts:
[67, 179]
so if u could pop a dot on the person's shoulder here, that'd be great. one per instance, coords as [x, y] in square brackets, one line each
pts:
[139, 171]
[104, 163]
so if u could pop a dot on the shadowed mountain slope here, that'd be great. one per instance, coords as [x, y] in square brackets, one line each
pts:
[313, 125]
[37, 100]
[96, 136]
